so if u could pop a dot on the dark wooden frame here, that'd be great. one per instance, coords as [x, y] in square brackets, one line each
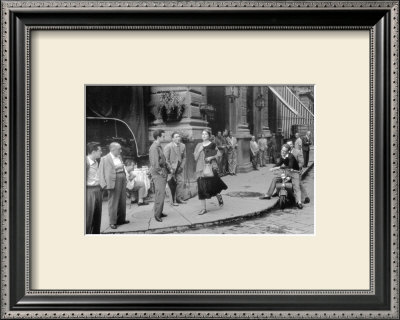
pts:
[19, 19]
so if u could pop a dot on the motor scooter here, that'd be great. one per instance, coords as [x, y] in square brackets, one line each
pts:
[285, 189]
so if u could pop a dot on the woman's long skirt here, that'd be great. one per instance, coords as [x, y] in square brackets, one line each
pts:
[210, 186]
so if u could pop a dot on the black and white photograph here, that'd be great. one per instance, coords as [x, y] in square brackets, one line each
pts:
[186, 159]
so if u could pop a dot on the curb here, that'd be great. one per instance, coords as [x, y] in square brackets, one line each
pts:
[200, 225]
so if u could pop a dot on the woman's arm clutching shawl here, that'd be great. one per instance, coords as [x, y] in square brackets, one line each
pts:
[197, 151]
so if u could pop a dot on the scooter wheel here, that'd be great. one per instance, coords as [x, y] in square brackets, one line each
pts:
[282, 202]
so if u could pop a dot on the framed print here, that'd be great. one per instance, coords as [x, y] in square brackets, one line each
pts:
[199, 159]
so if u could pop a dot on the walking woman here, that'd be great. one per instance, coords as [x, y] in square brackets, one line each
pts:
[209, 184]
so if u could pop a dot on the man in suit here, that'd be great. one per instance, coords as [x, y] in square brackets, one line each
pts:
[232, 153]
[94, 200]
[225, 165]
[306, 147]
[263, 148]
[287, 161]
[299, 157]
[220, 141]
[272, 148]
[254, 150]
[298, 142]
[175, 155]
[113, 178]
[158, 170]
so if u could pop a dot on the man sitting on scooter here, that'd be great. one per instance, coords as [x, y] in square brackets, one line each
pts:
[287, 161]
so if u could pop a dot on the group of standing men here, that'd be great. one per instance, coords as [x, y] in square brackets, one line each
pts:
[262, 151]
[166, 166]
[110, 175]
[227, 153]
[294, 156]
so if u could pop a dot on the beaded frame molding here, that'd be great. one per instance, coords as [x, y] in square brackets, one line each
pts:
[15, 216]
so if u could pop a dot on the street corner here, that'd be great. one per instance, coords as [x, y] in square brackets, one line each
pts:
[172, 221]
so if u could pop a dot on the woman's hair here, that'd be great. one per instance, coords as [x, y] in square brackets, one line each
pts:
[208, 132]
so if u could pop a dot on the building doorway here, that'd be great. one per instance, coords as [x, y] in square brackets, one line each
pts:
[216, 97]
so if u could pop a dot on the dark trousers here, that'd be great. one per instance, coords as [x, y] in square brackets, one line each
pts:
[254, 159]
[160, 183]
[272, 155]
[94, 201]
[117, 200]
[223, 163]
[176, 185]
[306, 155]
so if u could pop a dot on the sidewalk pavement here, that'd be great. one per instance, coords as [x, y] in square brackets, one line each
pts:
[240, 202]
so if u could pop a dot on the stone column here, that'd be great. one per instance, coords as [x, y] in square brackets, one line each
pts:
[257, 114]
[242, 132]
[191, 123]
[264, 114]
[231, 114]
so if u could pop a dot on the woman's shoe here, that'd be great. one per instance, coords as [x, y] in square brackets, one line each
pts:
[202, 212]
[220, 201]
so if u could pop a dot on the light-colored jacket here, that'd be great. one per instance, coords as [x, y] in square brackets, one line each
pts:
[298, 144]
[298, 154]
[254, 147]
[232, 144]
[108, 173]
[175, 154]
[262, 144]
[199, 157]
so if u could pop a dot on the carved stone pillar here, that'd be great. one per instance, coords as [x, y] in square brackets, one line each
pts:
[190, 126]
[264, 114]
[191, 122]
[242, 132]
[257, 113]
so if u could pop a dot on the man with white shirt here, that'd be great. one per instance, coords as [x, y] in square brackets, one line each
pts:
[298, 144]
[135, 185]
[263, 148]
[93, 191]
[254, 150]
[113, 178]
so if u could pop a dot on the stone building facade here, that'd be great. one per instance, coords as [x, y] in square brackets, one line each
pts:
[245, 110]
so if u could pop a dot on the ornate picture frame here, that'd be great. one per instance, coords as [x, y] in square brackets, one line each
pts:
[20, 18]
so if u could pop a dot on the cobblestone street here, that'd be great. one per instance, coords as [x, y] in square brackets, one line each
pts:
[288, 221]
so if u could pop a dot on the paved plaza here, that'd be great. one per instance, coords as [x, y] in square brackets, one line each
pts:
[242, 207]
